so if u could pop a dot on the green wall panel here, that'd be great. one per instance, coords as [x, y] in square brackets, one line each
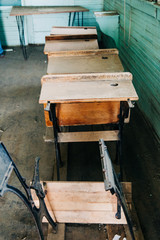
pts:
[140, 52]
[10, 2]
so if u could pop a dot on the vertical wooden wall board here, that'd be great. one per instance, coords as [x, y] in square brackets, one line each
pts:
[140, 52]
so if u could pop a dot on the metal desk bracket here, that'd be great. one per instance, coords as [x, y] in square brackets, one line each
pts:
[6, 167]
[111, 183]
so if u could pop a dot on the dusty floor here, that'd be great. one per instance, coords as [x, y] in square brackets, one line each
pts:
[22, 128]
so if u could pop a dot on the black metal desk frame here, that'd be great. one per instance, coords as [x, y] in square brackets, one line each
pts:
[6, 167]
[112, 184]
[51, 108]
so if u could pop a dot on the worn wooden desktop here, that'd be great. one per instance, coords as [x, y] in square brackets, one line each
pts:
[68, 45]
[71, 38]
[73, 30]
[86, 61]
[33, 10]
[87, 99]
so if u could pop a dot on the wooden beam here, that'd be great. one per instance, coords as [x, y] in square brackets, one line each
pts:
[93, 52]
[87, 76]
[88, 136]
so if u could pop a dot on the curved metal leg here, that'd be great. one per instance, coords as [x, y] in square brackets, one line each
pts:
[45, 213]
[7, 165]
[37, 213]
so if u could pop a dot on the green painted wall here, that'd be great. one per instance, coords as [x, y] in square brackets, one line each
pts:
[10, 2]
[140, 52]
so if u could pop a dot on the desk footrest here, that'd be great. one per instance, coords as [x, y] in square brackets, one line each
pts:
[93, 136]
[88, 136]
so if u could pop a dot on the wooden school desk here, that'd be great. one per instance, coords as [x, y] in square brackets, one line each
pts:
[73, 30]
[20, 12]
[71, 38]
[86, 61]
[87, 99]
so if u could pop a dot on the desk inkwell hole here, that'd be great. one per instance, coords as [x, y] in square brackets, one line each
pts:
[104, 57]
[114, 84]
[86, 40]
[85, 28]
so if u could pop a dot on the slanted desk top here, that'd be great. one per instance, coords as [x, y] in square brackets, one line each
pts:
[88, 61]
[88, 89]
[68, 45]
[71, 38]
[73, 30]
[32, 10]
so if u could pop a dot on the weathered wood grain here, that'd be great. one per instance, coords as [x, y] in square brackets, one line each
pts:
[67, 45]
[89, 61]
[82, 202]
[73, 30]
[86, 113]
[33, 10]
[87, 76]
[87, 91]
[88, 136]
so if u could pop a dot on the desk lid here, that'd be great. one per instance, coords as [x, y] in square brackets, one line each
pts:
[88, 89]
[68, 45]
[86, 61]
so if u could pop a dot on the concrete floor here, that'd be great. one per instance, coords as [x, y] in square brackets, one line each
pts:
[22, 128]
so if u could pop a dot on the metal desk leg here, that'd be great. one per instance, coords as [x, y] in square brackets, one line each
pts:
[55, 131]
[82, 18]
[20, 24]
[74, 15]
[6, 167]
[78, 18]
[69, 20]
[112, 184]
[119, 144]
